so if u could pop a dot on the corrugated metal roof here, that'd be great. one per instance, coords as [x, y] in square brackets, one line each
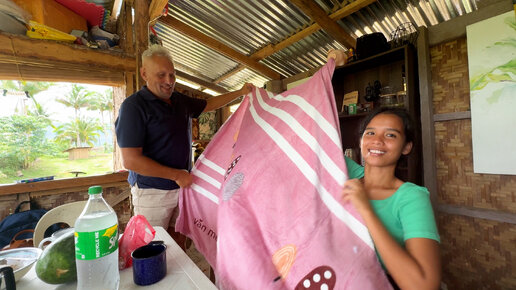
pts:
[193, 57]
[247, 26]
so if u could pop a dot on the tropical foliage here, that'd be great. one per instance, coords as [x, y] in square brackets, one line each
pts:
[80, 131]
[24, 135]
[31, 89]
[22, 140]
[79, 97]
[103, 102]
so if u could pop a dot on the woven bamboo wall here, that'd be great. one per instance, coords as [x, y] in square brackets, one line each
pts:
[477, 253]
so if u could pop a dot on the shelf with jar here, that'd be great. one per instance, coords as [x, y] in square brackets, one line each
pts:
[387, 79]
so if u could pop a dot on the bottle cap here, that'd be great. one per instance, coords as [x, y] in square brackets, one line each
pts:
[95, 189]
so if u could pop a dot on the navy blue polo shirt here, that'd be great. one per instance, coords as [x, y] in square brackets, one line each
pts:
[163, 131]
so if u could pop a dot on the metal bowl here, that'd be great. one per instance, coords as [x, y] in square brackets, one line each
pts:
[21, 260]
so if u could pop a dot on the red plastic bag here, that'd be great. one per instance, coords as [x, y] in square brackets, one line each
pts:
[138, 232]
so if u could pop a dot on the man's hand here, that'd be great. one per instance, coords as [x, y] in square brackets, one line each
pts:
[221, 100]
[183, 178]
[247, 88]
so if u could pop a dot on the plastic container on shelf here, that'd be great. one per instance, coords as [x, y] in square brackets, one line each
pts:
[96, 244]
[41, 31]
[53, 14]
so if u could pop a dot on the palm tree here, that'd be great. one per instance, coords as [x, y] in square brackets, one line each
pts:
[78, 98]
[79, 132]
[31, 89]
[103, 102]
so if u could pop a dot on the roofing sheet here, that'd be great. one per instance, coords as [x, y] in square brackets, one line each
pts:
[247, 26]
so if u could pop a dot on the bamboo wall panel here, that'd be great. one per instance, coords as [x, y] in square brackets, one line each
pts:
[457, 184]
[450, 79]
[477, 253]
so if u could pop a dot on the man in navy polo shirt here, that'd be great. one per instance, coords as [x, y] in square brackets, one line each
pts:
[153, 130]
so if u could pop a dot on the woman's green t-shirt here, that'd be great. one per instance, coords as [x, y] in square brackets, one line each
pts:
[406, 214]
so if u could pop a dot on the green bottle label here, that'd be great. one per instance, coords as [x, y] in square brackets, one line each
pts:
[94, 245]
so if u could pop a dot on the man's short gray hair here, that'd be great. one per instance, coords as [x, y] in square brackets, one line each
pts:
[156, 50]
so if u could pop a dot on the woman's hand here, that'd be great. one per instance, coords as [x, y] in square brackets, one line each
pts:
[417, 266]
[340, 56]
[355, 193]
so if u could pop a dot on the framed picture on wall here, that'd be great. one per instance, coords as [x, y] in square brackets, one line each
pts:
[492, 77]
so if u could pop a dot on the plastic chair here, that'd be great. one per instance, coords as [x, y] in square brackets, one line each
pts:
[66, 213]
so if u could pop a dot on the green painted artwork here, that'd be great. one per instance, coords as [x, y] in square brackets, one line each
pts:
[492, 77]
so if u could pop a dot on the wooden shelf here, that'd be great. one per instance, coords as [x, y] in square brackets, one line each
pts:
[25, 58]
[374, 61]
[59, 184]
[388, 68]
[355, 116]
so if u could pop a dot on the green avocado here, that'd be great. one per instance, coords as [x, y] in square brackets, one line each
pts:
[56, 265]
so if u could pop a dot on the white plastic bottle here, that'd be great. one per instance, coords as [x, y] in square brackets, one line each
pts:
[96, 244]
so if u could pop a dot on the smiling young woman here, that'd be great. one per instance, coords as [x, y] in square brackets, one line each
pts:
[398, 214]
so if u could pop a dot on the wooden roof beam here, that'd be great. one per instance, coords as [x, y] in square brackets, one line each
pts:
[337, 15]
[272, 48]
[201, 82]
[156, 9]
[180, 88]
[315, 12]
[350, 9]
[220, 47]
[229, 74]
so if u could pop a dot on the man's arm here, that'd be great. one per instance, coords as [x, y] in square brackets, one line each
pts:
[134, 160]
[219, 101]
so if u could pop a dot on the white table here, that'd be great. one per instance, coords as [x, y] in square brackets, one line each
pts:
[182, 273]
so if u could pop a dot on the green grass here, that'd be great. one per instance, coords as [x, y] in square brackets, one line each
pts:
[60, 167]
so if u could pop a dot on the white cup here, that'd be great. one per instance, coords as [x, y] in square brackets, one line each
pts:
[53, 237]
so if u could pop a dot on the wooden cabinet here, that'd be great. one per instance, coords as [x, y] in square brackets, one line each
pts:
[396, 68]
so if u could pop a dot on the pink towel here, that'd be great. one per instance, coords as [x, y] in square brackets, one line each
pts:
[264, 205]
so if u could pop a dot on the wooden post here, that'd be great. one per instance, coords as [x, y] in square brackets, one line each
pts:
[125, 28]
[427, 117]
[141, 28]
[119, 95]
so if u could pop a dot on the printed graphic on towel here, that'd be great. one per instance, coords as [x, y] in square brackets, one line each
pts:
[284, 258]
[201, 226]
[280, 185]
[232, 185]
[322, 277]
[231, 166]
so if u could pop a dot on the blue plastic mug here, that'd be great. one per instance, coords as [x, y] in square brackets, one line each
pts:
[7, 277]
[149, 263]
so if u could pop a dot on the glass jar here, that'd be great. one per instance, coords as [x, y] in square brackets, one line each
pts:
[388, 100]
[401, 96]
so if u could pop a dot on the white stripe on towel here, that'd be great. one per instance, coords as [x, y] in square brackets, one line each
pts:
[205, 192]
[334, 206]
